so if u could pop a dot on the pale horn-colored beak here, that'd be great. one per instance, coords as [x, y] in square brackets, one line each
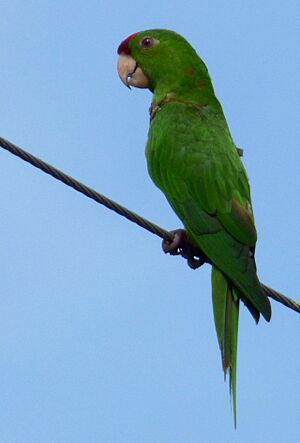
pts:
[130, 73]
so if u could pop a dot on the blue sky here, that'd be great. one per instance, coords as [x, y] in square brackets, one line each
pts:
[103, 338]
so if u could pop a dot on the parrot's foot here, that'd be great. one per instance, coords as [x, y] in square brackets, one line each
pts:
[181, 245]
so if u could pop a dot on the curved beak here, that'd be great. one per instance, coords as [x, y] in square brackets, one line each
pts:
[130, 73]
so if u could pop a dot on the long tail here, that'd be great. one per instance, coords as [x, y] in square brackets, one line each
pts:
[226, 313]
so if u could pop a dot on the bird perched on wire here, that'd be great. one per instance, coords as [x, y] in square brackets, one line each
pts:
[193, 159]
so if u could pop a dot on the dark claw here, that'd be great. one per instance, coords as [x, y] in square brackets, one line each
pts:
[195, 263]
[174, 248]
[181, 245]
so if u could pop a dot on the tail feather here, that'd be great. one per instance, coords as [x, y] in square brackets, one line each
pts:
[226, 314]
[252, 309]
[226, 297]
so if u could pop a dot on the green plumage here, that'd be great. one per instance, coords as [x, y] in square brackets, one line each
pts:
[192, 158]
[226, 313]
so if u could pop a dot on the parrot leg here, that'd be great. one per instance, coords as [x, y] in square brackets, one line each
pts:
[181, 245]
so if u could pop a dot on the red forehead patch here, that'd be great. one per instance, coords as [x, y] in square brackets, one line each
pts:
[123, 48]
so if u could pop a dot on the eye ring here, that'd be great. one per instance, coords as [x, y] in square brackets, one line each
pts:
[148, 42]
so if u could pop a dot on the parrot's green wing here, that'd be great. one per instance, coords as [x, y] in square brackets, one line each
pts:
[201, 174]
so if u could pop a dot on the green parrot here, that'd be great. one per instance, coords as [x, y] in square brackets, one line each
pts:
[193, 159]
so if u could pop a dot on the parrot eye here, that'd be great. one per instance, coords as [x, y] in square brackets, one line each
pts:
[148, 42]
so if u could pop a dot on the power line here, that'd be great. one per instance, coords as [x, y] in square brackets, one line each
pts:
[110, 204]
[87, 191]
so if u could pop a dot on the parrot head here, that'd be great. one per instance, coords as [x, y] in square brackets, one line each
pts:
[164, 62]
